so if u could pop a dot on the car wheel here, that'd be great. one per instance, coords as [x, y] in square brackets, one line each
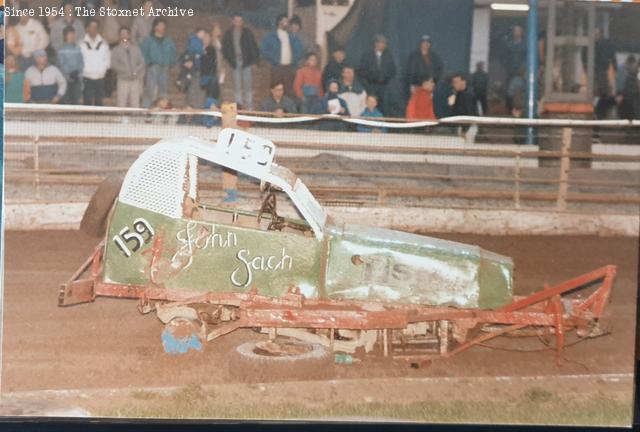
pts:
[283, 359]
[94, 220]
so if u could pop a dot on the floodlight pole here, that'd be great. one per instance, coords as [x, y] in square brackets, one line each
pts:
[532, 66]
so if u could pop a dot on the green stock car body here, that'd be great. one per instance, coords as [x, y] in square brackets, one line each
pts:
[209, 248]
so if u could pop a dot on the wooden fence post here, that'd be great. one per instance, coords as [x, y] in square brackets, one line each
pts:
[565, 163]
[229, 177]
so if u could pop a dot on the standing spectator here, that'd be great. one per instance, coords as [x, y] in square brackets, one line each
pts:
[480, 85]
[333, 69]
[623, 72]
[308, 85]
[142, 25]
[97, 59]
[46, 81]
[605, 74]
[14, 43]
[515, 59]
[352, 91]
[33, 36]
[210, 77]
[159, 53]
[278, 102]
[129, 66]
[371, 110]
[517, 89]
[420, 106]
[377, 68]
[68, 20]
[190, 64]
[629, 98]
[283, 50]
[2, 40]
[110, 26]
[240, 50]
[462, 101]
[308, 46]
[17, 88]
[424, 62]
[72, 65]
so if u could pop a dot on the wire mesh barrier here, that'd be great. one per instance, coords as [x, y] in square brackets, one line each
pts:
[59, 154]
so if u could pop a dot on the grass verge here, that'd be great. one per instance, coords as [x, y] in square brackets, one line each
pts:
[534, 406]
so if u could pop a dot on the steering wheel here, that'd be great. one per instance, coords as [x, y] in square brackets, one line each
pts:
[269, 206]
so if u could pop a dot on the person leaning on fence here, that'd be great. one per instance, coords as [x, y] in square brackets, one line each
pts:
[278, 103]
[283, 50]
[47, 83]
[17, 88]
[352, 91]
[372, 112]
[129, 66]
[308, 85]
[159, 54]
[97, 59]
[240, 50]
[60, 25]
[71, 64]
[377, 68]
[420, 106]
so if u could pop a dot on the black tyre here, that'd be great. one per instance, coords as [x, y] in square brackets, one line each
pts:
[250, 363]
[94, 220]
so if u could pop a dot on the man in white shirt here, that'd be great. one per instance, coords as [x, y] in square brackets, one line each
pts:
[284, 51]
[34, 37]
[97, 59]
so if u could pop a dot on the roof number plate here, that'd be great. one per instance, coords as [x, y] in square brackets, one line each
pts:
[246, 150]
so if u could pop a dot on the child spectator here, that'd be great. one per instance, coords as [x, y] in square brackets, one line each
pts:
[72, 64]
[333, 69]
[17, 89]
[371, 111]
[332, 103]
[420, 106]
[308, 85]
[46, 81]
[352, 91]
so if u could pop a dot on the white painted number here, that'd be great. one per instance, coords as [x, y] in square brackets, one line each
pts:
[140, 227]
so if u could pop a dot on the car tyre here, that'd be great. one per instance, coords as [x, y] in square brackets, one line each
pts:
[94, 220]
[247, 364]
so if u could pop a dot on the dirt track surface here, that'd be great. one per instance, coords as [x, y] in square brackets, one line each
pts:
[108, 344]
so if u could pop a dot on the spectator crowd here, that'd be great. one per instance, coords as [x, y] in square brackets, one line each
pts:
[71, 61]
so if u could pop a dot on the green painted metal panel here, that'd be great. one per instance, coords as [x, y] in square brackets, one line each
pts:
[199, 256]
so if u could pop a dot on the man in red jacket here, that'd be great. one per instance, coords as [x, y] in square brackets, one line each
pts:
[420, 106]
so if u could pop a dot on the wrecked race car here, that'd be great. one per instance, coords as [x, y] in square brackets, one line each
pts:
[209, 269]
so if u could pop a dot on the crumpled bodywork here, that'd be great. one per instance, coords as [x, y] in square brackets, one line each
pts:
[391, 266]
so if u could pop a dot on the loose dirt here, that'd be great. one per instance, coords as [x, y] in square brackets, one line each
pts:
[108, 344]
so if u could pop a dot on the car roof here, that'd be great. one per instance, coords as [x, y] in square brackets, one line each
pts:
[156, 181]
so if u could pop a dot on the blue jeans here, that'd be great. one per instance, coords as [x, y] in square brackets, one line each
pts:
[157, 80]
[243, 87]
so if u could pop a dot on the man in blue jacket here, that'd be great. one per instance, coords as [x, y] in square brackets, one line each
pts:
[283, 50]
